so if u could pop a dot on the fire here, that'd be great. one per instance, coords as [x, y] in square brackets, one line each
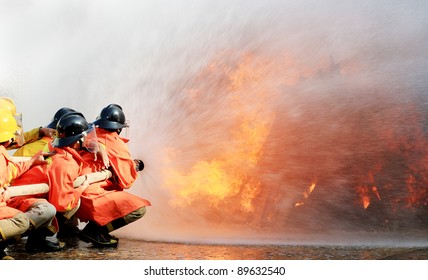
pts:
[417, 194]
[360, 156]
[365, 193]
[226, 179]
[209, 179]
[306, 194]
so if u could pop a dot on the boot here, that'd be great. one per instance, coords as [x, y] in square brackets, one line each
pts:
[93, 233]
[67, 228]
[4, 256]
[37, 242]
[3, 245]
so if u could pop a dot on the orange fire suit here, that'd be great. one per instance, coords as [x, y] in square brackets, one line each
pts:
[39, 211]
[106, 201]
[13, 221]
[8, 171]
[59, 174]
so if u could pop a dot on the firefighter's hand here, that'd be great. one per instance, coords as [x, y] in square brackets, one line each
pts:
[5, 193]
[45, 131]
[39, 158]
[104, 157]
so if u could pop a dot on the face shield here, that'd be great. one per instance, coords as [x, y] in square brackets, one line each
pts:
[89, 140]
[19, 134]
[124, 133]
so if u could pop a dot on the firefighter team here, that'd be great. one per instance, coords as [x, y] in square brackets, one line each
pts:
[66, 149]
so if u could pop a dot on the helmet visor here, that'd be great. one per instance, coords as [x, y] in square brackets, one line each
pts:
[124, 132]
[90, 141]
[19, 134]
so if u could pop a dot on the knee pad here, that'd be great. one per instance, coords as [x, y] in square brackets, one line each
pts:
[131, 217]
[135, 215]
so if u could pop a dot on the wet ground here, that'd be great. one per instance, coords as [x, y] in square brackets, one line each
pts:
[144, 250]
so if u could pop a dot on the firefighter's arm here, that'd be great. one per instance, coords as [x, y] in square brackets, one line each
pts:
[18, 168]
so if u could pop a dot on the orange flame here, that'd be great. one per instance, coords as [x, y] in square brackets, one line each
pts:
[226, 177]
[306, 195]
[365, 194]
[223, 179]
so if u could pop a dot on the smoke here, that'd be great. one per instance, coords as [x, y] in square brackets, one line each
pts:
[333, 95]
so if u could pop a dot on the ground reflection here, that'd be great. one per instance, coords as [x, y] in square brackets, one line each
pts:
[142, 250]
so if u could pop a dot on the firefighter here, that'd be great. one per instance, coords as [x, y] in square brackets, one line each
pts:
[64, 166]
[62, 194]
[32, 147]
[38, 213]
[109, 126]
[105, 205]
[73, 134]
[22, 137]
[68, 227]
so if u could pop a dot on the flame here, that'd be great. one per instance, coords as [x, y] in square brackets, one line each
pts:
[226, 179]
[232, 178]
[405, 187]
[306, 194]
[366, 191]
[417, 193]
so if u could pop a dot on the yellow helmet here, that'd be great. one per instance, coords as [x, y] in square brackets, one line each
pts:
[7, 103]
[8, 126]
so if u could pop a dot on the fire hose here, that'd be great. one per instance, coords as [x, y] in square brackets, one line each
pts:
[44, 188]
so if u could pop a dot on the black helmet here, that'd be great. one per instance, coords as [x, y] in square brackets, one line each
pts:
[61, 112]
[70, 128]
[111, 117]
